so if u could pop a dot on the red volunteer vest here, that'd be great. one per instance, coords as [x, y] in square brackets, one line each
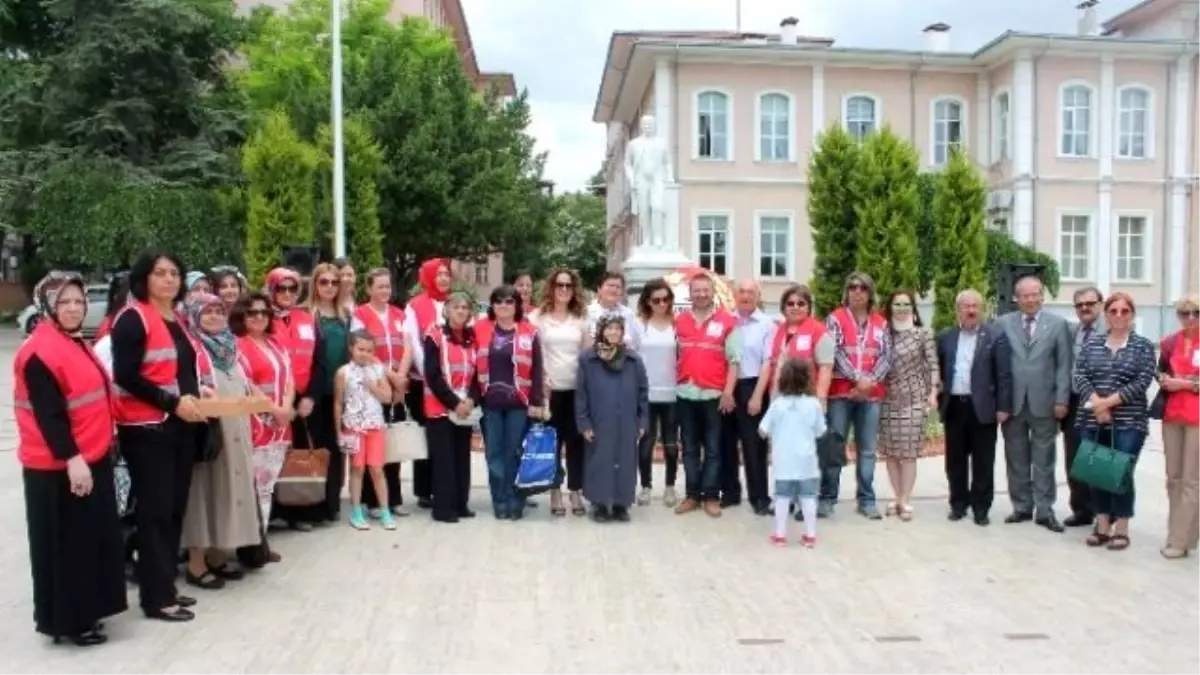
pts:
[458, 367]
[83, 382]
[862, 355]
[299, 337]
[389, 334]
[268, 368]
[802, 345]
[702, 359]
[104, 328]
[160, 365]
[1183, 407]
[524, 336]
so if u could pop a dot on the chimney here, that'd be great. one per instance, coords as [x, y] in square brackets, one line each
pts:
[937, 37]
[787, 30]
[1088, 24]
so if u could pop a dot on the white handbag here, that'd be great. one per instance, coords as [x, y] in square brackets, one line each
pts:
[405, 441]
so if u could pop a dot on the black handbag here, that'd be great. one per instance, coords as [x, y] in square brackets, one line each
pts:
[208, 447]
[831, 450]
[1158, 406]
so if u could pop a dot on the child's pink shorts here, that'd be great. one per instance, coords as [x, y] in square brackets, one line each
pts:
[371, 450]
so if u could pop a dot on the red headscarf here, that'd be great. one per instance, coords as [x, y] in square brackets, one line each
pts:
[427, 276]
[275, 279]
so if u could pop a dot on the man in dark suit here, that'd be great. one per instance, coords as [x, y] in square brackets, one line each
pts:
[1088, 310]
[976, 394]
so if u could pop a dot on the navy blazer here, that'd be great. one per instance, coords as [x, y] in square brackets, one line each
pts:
[991, 371]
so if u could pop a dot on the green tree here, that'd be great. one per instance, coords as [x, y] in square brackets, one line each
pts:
[1002, 248]
[580, 236]
[961, 243]
[281, 190]
[887, 182]
[926, 234]
[364, 235]
[832, 214]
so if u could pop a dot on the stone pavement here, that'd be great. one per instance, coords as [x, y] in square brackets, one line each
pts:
[662, 594]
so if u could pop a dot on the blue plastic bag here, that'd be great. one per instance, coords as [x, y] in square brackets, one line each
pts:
[539, 465]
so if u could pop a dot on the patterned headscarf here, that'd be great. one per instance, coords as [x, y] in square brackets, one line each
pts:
[222, 345]
[274, 280]
[192, 279]
[617, 353]
[46, 292]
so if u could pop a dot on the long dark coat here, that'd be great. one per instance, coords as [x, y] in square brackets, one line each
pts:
[614, 405]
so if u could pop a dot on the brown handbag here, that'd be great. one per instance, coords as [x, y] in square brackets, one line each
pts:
[303, 476]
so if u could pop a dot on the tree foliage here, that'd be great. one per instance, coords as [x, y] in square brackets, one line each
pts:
[926, 233]
[887, 184]
[364, 235]
[580, 236]
[832, 215]
[281, 173]
[957, 211]
[1002, 248]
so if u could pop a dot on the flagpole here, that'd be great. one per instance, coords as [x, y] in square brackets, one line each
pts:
[739, 15]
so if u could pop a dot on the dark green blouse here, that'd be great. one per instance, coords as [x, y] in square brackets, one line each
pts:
[335, 352]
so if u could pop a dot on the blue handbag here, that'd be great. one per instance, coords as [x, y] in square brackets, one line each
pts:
[539, 463]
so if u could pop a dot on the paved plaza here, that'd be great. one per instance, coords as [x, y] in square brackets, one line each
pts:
[662, 594]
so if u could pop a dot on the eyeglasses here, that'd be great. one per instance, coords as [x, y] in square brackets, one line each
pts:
[856, 287]
[1119, 311]
[326, 282]
[258, 313]
[165, 273]
[505, 301]
[797, 303]
[288, 288]
[1085, 304]
[660, 300]
[1188, 314]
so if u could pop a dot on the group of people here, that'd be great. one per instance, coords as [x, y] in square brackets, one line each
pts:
[731, 389]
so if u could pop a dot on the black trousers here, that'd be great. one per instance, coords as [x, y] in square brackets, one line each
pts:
[663, 427]
[570, 443]
[1081, 493]
[160, 459]
[970, 456]
[741, 427]
[391, 472]
[450, 449]
[422, 468]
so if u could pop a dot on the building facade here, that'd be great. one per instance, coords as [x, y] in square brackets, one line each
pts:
[1085, 139]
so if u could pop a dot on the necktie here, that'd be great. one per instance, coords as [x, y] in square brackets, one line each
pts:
[1029, 329]
[1087, 333]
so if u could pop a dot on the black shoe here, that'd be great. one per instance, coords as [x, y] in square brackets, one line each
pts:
[728, 502]
[982, 520]
[1050, 523]
[763, 510]
[425, 502]
[516, 515]
[179, 615]
[956, 515]
[466, 513]
[228, 573]
[503, 515]
[208, 580]
[620, 514]
[89, 639]
[1018, 517]
[185, 601]
[600, 514]
[452, 518]
[799, 514]
[1078, 520]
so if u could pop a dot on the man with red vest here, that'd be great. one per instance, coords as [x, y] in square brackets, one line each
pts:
[707, 375]
[861, 360]
[423, 311]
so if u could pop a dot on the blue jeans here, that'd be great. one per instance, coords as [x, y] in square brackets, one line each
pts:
[1129, 441]
[503, 434]
[700, 433]
[864, 416]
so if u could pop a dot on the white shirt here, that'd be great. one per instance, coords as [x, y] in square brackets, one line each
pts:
[793, 424]
[416, 339]
[633, 331]
[562, 341]
[659, 352]
[964, 360]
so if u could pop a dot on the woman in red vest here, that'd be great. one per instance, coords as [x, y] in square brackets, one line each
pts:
[422, 312]
[1179, 376]
[154, 367]
[509, 367]
[451, 396]
[63, 404]
[269, 369]
[799, 336]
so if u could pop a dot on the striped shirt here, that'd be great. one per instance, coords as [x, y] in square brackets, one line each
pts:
[1127, 370]
[841, 360]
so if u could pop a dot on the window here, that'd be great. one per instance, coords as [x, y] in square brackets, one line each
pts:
[1003, 117]
[774, 128]
[947, 129]
[1131, 248]
[481, 273]
[861, 113]
[433, 11]
[774, 246]
[1000, 224]
[712, 125]
[1076, 120]
[1073, 235]
[1133, 123]
[712, 243]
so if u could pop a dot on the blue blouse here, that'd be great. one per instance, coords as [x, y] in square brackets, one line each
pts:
[1128, 371]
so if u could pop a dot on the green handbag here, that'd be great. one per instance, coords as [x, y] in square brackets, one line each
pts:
[1102, 467]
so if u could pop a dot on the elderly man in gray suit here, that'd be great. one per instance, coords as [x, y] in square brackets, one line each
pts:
[1041, 372]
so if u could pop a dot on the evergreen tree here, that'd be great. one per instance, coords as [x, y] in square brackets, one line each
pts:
[888, 186]
[832, 215]
[364, 160]
[926, 236]
[281, 173]
[958, 216]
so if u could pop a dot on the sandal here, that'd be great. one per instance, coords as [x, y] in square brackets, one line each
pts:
[206, 580]
[892, 509]
[224, 571]
[1097, 539]
[1118, 542]
[577, 507]
[556, 506]
[1172, 553]
[906, 512]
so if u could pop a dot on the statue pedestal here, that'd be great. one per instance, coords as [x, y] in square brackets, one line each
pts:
[646, 264]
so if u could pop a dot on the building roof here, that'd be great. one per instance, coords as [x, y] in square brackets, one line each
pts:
[1139, 12]
[457, 19]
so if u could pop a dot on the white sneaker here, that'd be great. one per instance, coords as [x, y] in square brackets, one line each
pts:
[400, 511]
[669, 498]
[644, 497]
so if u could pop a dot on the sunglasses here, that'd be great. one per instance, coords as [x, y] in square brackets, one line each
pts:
[567, 286]
[288, 288]
[1119, 311]
[797, 303]
[258, 313]
[505, 301]
[660, 300]
[1188, 314]
[326, 282]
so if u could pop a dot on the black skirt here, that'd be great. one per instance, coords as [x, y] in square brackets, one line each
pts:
[76, 551]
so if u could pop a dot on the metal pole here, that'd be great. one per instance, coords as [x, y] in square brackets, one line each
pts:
[339, 163]
[739, 16]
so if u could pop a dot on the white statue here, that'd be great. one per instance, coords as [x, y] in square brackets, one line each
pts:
[648, 172]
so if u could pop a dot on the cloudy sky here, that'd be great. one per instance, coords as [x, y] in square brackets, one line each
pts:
[556, 48]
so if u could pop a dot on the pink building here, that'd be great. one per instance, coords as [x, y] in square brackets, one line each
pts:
[1086, 140]
[448, 14]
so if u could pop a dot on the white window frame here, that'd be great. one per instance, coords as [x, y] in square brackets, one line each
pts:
[1147, 217]
[1002, 127]
[730, 124]
[727, 214]
[791, 126]
[1148, 143]
[790, 254]
[846, 110]
[964, 114]
[482, 279]
[1092, 220]
[1093, 119]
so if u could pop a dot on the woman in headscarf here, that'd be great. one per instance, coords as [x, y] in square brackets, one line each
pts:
[423, 312]
[295, 329]
[221, 514]
[63, 402]
[611, 411]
